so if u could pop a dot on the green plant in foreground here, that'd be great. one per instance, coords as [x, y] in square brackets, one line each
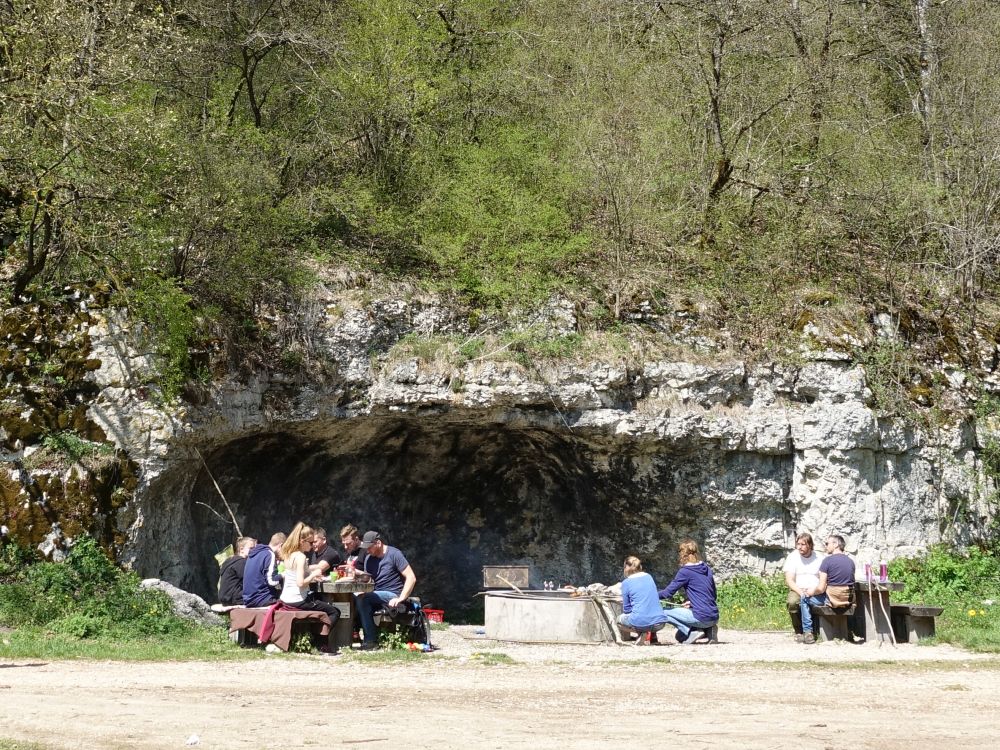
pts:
[492, 658]
[85, 596]
[18, 745]
[964, 584]
[753, 603]
[392, 640]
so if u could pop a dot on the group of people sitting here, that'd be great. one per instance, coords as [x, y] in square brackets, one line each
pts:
[696, 619]
[813, 580]
[263, 575]
[816, 579]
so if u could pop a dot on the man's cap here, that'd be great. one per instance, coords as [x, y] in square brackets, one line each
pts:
[370, 538]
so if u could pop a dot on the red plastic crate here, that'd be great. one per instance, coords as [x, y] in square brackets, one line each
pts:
[434, 615]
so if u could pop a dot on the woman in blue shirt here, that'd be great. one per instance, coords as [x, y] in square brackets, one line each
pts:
[698, 617]
[641, 610]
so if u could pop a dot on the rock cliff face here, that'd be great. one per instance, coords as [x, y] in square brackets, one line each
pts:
[564, 467]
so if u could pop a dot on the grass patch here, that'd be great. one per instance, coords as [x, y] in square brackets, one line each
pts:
[753, 603]
[492, 658]
[965, 584]
[200, 643]
[18, 745]
[393, 656]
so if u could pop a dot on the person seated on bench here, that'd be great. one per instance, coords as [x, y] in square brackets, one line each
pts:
[699, 615]
[295, 587]
[351, 539]
[394, 581]
[261, 582]
[801, 570]
[835, 587]
[231, 573]
[322, 556]
[641, 610]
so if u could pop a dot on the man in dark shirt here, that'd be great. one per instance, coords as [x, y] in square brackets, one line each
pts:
[835, 587]
[231, 573]
[394, 582]
[351, 539]
[323, 557]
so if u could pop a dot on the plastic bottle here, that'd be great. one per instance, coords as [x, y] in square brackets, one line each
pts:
[868, 572]
[883, 572]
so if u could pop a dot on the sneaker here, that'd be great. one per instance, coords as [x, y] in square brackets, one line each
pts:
[369, 646]
[270, 648]
[693, 636]
[808, 638]
[798, 637]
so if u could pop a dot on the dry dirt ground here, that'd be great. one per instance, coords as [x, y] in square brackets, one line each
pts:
[752, 690]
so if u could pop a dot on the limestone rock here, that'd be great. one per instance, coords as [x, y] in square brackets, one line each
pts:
[185, 605]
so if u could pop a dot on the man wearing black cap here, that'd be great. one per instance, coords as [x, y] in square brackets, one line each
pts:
[394, 581]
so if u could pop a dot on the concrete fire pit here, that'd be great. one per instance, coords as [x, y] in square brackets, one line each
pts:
[551, 617]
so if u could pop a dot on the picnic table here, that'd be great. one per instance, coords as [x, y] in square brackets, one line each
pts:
[872, 616]
[341, 594]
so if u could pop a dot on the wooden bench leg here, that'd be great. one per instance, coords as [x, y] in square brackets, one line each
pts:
[834, 627]
[919, 627]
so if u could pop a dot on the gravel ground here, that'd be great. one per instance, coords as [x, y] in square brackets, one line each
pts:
[733, 647]
[754, 691]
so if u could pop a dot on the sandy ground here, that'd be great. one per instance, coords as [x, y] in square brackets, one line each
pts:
[752, 690]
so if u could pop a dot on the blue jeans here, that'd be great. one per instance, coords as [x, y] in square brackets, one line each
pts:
[810, 601]
[368, 604]
[684, 620]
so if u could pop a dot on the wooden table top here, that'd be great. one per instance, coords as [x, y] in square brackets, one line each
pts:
[877, 586]
[345, 586]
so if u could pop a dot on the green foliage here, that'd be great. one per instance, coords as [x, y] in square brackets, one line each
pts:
[302, 643]
[488, 223]
[16, 745]
[492, 658]
[891, 371]
[753, 603]
[211, 156]
[392, 639]
[35, 642]
[13, 559]
[73, 447]
[946, 576]
[965, 584]
[168, 312]
[86, 596]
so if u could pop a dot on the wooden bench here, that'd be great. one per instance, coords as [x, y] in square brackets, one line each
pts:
[252, 620]
[834, 622]
[911, 622]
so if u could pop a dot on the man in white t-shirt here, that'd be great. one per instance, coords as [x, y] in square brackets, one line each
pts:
[801, 570]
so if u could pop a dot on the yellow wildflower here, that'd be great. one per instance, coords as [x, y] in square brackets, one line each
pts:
[972, 613]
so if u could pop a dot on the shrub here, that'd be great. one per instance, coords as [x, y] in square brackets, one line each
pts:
[944, 576]
[13, 559]
[77, 626]
[85, 596]
[753, 602]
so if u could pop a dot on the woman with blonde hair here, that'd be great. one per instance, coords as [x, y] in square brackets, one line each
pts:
[698, 617]
[295, 588]
[641, 610]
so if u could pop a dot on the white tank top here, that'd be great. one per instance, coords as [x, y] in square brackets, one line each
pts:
[291, 592]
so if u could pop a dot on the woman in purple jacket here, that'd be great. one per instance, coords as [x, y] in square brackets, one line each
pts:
[698, 617]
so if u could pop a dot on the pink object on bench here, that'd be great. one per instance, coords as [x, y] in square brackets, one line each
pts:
[284, 619]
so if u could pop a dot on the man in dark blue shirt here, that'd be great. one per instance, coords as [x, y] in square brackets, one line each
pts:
[394, 581]
[835, 587]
